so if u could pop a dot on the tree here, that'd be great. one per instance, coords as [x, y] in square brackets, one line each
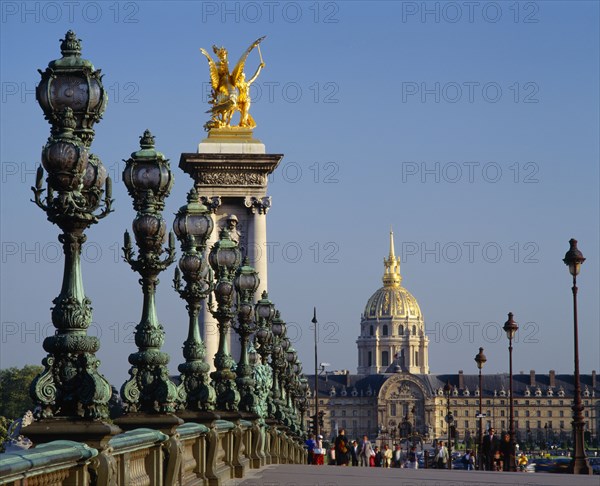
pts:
[14, 390]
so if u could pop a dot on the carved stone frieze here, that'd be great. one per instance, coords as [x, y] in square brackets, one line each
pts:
[231, 178]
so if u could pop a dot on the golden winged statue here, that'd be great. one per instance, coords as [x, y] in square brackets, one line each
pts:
[230, 91]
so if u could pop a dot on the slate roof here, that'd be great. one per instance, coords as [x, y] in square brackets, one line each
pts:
[491, 383]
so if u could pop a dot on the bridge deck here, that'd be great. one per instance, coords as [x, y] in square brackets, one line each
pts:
[303, 475]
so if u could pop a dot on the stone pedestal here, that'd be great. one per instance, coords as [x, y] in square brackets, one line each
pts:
[233, 165]
[167, 423]
[94, 433]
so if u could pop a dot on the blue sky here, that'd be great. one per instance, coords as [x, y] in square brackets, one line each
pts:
[474, 133]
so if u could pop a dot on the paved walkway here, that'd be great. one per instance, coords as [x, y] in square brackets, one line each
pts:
[294, 475]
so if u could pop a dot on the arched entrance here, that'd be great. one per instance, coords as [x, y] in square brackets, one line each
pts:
[401, 409]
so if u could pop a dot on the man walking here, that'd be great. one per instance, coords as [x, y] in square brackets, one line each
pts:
[441, 457]
[489, 449]
[365, 451]
[354, 452]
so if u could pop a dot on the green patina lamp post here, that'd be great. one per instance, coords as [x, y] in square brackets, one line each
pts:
[148, 178]
[303, 402]
[72, 97]
[290, 382]
[277, 364]
[295, 394]
[224, 258]
[246, 282]
[264, 311]
[193, 226]
[284, 379]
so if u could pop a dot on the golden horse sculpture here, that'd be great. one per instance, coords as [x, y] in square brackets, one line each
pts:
[230, 91]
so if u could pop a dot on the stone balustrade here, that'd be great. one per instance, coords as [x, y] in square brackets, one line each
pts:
[195, 454]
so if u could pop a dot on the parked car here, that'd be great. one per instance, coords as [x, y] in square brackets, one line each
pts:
[558, 465]
[595, 464]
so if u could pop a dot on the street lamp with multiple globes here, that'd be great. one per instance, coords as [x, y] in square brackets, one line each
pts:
[246, 282]
[193, 226]
[480, 359]
[579, 465]
[224, 258]
[73, 99]
[510, 328]
[449, 420]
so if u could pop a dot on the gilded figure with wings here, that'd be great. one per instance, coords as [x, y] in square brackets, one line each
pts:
[230, 91]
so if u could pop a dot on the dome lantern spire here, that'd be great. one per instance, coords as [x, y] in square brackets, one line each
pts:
[391, 274]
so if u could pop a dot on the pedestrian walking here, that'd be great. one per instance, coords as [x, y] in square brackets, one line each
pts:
[310, 445]
[441, 456]
[387, 456]
[364, 452]
[342, 449]
[489, 449]
[354, 453]
[413, 462]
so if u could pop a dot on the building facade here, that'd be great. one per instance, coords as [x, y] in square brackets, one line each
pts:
[393, 395]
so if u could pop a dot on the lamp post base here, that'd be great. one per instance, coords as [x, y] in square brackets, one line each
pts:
[95, 433]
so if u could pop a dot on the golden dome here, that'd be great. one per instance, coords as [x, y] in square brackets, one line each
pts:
[392, 300]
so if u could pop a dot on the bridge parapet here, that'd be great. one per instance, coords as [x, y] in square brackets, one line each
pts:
[58, 462]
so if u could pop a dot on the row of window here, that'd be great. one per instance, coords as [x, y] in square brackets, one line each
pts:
[546, 426]
[354, 413]
[385, 358]
[551, 403]
[538, 413]
[385, 331]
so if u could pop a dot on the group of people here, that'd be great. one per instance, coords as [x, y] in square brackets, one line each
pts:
[495, 453]
[344, 452]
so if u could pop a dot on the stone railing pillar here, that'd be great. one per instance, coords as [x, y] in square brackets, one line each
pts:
[194, 440]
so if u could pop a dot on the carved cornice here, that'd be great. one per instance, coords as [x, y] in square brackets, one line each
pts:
[199, 164]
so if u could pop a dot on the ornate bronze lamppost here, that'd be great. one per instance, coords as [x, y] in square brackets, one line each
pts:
[224, 258]
[290, 384]
[285, 376]
[72, 97]
[510, 328]
[303, 403]
[480, 359]
[193, 226]
[148, 178]
[579, 465]
[277, 364]
[449, 420]
[246, 282]
[264, 311]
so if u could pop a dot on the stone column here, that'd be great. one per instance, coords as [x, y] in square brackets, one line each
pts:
[257, 238]
[208, 324]
[234, 166]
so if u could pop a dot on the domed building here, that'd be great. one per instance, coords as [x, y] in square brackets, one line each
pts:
[394, 397]
[392, 330]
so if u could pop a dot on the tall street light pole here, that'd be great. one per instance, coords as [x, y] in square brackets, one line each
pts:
[449, 420]
[314, 321]
[480, 360]
[579, 465]
[510, 328]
